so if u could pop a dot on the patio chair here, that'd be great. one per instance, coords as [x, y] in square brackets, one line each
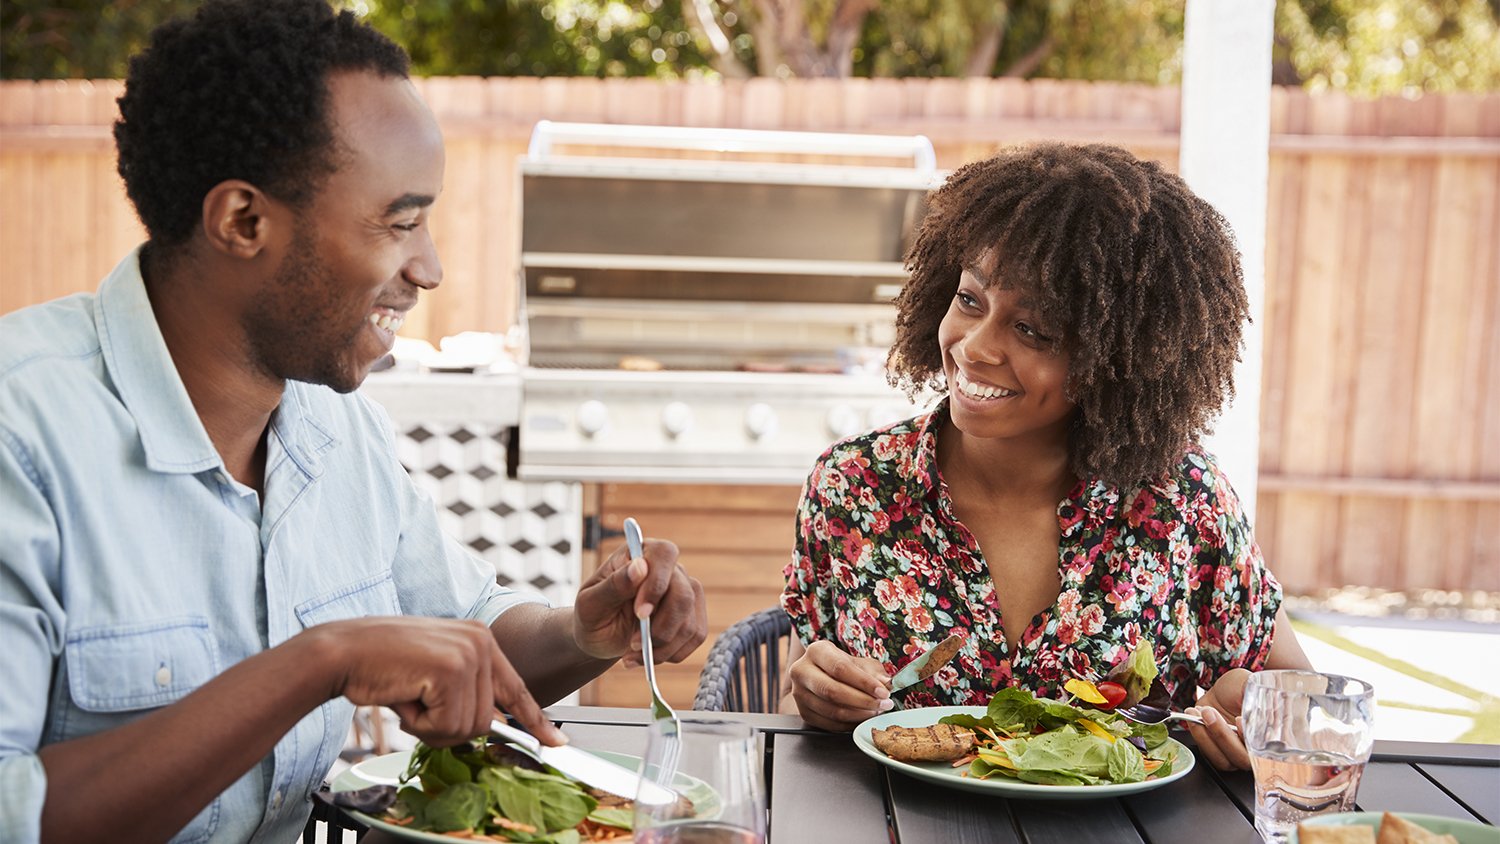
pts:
[743, 670]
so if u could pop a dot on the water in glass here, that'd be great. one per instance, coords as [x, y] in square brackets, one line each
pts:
[1309, 737]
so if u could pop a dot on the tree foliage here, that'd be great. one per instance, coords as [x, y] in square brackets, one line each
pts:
[1390, 46]
[1368, 47]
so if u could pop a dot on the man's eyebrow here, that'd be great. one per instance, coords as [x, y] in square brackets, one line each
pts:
[407, 201]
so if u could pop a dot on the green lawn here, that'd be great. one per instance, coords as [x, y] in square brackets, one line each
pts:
[1486, 719]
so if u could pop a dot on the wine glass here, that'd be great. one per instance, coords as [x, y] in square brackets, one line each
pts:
[719, 775]
[1309, 737]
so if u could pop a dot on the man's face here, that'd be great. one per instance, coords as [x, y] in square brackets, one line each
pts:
[361, 252]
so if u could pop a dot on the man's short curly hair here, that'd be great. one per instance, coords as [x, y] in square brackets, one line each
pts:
[1138, 277]
[237, 91]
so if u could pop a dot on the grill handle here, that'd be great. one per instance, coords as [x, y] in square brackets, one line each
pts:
[916, 147]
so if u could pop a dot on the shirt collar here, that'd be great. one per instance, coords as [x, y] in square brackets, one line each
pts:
[141, 367]
[172, 435]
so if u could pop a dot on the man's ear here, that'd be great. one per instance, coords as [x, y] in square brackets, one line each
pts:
[237, 219]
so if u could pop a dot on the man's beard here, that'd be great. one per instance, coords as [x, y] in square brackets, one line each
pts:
[292, 327]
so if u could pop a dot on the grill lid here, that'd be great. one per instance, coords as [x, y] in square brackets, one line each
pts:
[714, 264]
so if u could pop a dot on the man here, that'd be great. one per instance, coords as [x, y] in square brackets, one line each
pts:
[208, 551]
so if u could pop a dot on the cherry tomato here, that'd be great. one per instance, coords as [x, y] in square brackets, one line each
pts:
[1113, 693]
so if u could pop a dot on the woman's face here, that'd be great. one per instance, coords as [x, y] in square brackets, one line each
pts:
[1007, 377]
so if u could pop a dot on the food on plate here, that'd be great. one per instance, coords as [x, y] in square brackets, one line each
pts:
[1335, 835]
[491, 792]
[940, 656]
[1393, 830]
[1049, 742]
[1399, 830]
[937, 743]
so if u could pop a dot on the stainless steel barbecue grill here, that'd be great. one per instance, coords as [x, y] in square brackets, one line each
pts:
[717, 320]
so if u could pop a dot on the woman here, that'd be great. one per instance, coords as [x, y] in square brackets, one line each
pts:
[1081, 311]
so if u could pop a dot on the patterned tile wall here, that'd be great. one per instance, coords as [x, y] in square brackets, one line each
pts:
[530, 532]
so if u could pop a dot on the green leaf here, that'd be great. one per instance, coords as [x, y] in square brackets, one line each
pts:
[1136, 674]
[622, 818]
[1155, 735]
[563, 804]
[513, 798]
[1015, 708]
[1125, 763]
[460, 806]
[442, 769]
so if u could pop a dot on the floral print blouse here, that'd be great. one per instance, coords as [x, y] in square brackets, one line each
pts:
[884, 569]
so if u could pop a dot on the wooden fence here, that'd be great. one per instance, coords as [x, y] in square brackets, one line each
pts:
[1380, 449]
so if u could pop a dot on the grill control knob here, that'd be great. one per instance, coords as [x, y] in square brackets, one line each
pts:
[843, 421]
[760, 421]
[676, 418]
[593, 417]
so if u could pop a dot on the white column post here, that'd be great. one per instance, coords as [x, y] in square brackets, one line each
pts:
[1226, 120]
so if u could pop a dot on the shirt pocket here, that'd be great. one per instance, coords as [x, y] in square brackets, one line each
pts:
[374, 595]
[126, 667]
[123, 668]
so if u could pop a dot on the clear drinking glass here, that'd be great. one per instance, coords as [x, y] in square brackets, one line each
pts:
[1309, 737]
[719, 773]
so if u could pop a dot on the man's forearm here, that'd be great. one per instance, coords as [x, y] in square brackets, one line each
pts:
[539, 642]
[181, 756]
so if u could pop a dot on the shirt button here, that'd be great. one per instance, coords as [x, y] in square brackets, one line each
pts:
[163, 676]
[276, 800]
[223, 478]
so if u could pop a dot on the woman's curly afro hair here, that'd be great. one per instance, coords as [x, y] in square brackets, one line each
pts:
[1137, 277]
[237, 91]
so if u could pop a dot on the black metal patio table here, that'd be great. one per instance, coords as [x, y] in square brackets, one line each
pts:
[823, 790]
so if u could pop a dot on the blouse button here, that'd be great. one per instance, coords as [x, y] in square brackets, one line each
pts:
[163, 676]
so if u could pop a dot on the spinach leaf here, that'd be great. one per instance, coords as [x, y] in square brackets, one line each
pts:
[1125, 763]
[513, 798]
[622, 818]
[1015, 708]
[563, 804]
[461, 806]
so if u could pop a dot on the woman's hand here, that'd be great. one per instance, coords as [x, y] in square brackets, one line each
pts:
[836, 691]
[1219, 707]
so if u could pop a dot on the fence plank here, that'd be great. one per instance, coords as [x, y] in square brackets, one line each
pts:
[1382, 320]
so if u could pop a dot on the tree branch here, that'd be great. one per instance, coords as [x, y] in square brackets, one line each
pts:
[1027, 64]
[699, 15]
[981, 58]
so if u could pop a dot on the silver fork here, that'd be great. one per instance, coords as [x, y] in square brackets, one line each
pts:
[670, 725]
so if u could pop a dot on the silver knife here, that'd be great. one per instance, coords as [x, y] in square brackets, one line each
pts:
[586, 767]
[927, 664]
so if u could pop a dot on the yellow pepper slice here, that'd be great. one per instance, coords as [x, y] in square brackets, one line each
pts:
[1097, 730]
[1085, 691]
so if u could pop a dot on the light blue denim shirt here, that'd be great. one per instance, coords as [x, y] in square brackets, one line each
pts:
[133, 568]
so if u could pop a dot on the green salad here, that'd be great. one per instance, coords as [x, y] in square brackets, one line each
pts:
[1054, 743]
[491, 791]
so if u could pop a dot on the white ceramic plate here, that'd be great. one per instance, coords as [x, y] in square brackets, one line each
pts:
[387, 769]
[1467, 832]
[943, 773]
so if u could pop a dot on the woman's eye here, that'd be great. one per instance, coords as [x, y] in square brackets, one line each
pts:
[965, 300]
[1026, 330]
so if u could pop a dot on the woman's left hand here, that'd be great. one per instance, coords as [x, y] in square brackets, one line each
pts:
[1219, 707]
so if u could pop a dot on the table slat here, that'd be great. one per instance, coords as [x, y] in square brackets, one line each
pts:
[925, 813]
[1478, 787]
[1183, 810]
[1399, 787]
[1074, 822]
[823, 789]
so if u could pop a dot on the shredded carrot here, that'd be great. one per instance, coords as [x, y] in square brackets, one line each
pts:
[964, 760]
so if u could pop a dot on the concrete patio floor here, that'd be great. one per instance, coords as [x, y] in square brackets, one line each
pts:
[1435, 680]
